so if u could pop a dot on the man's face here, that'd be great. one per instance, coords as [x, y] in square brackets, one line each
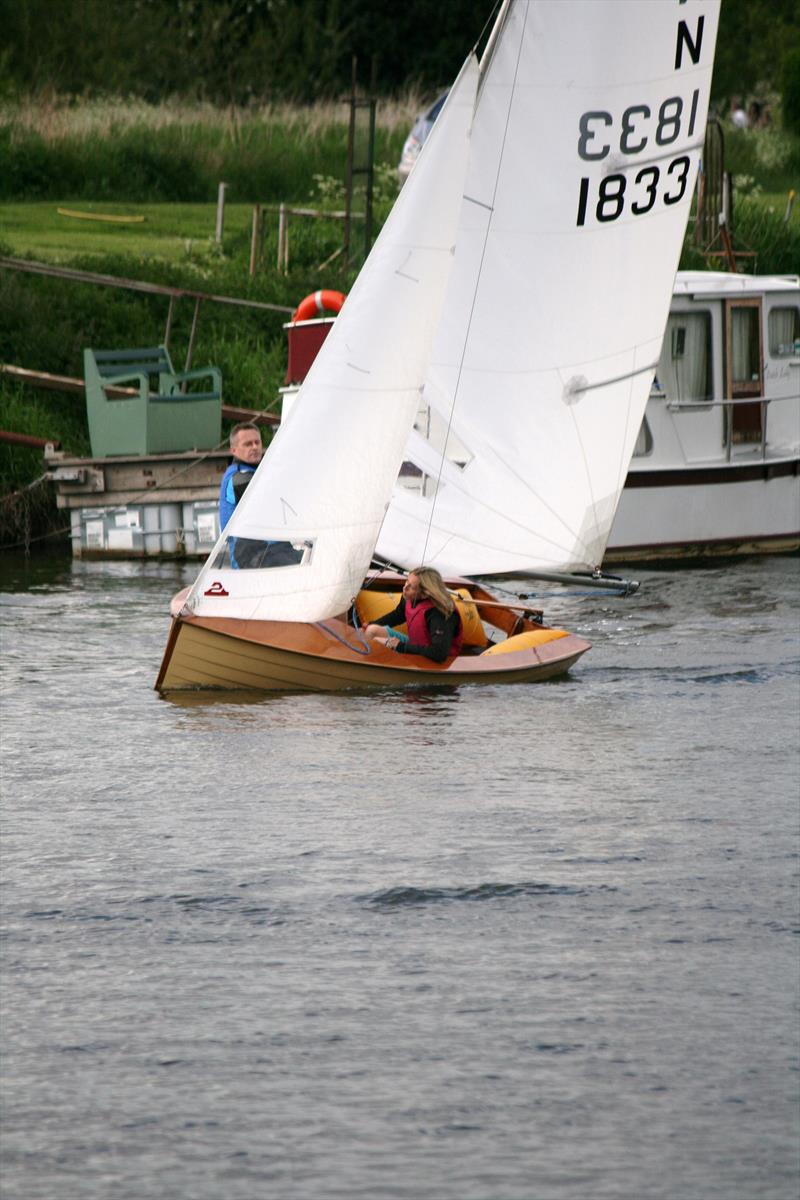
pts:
[246, 446]
[411, 589]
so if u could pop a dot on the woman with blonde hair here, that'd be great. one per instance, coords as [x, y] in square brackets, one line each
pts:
[429, 614]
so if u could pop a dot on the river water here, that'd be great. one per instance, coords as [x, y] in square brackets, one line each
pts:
[522, 943]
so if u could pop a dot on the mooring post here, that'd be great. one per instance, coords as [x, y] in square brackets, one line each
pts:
[283, 255]
[190, 350]
[170, 313]
[220, 213]
[254, 239]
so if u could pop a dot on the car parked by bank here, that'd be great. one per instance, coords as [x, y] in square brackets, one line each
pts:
[416, 138]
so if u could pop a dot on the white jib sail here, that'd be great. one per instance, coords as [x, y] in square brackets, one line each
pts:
[325, 482]
[587, 135]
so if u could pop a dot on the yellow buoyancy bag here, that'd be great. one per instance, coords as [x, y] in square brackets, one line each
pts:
[474, 633]
[526, 641]
[372, 605]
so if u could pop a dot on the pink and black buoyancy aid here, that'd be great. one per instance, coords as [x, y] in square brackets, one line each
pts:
[417, 626]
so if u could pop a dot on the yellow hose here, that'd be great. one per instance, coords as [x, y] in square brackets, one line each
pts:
[84, 216]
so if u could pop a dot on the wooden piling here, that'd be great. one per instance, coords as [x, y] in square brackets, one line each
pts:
[220, 213]
[255, 239]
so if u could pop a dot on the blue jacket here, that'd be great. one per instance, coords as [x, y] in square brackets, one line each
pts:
[227, 496]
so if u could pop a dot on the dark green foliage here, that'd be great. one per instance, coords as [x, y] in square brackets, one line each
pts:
[266, 162]
[54, 416]
[233, 51]
[422, 43]
[45, 324]
[791, 91]
[769, 157]
[28, 511]
[758, 226]
[762, 228]
[754, 36]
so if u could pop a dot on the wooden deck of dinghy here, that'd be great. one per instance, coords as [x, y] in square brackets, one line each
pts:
[239, 655]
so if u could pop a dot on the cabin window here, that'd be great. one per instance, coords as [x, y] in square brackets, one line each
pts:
[746, 347]
[784, 332]
[250, 554]
[684, 370]
[644, 442]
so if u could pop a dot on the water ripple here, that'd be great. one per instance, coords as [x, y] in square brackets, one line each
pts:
[398, 897]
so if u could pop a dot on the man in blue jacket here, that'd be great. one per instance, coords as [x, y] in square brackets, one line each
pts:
[247, 452]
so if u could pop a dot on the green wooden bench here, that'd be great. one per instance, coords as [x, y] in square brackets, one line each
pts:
[137, 403]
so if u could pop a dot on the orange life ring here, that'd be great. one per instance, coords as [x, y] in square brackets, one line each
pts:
[318, 303]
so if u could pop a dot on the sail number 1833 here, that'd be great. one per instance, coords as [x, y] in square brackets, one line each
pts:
[638, 127]
[614, 191]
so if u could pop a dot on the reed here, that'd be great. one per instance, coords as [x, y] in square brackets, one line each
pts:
[761, 226]
[770, 156]
[132, 151]
[54, 117]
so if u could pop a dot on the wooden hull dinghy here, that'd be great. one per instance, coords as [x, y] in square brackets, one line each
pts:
[503, 644]
[425, 356]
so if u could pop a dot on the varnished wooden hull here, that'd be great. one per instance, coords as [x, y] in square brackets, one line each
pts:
[282, 656]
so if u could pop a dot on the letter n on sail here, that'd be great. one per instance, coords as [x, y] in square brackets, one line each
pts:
[693, 45]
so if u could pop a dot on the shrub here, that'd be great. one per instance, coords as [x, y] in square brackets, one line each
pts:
[771, 156]
[762, 227]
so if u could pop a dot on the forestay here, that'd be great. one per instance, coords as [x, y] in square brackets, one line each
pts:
[586, 140]
[323, 486]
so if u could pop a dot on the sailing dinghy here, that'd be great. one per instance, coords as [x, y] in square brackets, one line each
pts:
[281, 600]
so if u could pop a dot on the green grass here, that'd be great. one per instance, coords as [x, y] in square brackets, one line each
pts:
[777, 202]
[170, 233]
[759, 225]
[56, 416]
[156, 155]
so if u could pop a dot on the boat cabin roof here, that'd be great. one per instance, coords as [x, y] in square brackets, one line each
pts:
[711, 284]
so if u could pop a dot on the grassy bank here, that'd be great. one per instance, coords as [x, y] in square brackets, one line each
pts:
[131, 151]
[45, 324]
[175, 233]
[163, 164]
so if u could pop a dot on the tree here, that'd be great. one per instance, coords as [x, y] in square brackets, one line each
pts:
[232, 50]
[752, 40]
[791, 91]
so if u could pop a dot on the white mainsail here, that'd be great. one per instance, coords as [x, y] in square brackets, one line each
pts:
[585, 145]
[325, 481]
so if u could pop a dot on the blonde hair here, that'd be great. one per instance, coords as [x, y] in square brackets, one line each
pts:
[432, 586]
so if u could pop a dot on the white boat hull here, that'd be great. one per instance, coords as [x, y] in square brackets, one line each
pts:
[695, 512]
